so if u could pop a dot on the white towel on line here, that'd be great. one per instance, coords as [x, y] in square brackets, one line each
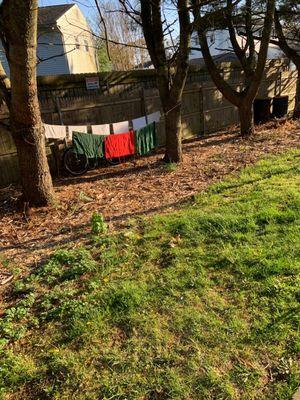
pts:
[74, 128]
[139, 123]
[101, 129]
[121, 127]
[55, 131]
[154, 117]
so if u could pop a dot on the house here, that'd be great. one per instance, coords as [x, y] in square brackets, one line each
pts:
[65, 42]
[221, 47]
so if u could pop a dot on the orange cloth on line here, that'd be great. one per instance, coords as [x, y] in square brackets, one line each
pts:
[119, 145]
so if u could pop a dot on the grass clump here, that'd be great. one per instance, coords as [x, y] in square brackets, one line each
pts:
[98, 224]
[202, 303]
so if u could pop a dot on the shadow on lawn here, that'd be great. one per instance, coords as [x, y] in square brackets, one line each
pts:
[81, 231]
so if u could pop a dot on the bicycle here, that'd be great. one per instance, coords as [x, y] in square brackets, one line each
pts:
[79, 164]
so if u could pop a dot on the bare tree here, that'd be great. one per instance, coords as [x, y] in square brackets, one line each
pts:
[252, 64]
[116, 26]
[18, 30]
[171, 67]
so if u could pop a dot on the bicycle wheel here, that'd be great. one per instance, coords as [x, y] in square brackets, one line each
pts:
[113, 161]
[75, 164]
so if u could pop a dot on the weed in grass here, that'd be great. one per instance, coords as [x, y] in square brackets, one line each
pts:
[171, 167]
[99, 227]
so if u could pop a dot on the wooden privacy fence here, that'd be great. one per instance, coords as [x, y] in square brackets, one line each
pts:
[128, 95]
[103, 109]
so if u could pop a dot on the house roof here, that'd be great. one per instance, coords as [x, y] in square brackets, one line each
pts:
[50, 14]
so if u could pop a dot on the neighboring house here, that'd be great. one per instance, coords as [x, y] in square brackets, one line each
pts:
[65, 42]
[221, 47]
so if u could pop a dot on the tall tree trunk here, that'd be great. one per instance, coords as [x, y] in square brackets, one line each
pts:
[25, 117]
[173, 153]
[171, 72]
[246, 118]
[296, 114]
[34, 170]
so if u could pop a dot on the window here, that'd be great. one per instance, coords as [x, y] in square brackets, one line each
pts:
[77, 44]
[86, 45]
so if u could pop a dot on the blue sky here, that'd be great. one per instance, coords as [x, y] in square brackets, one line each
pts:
[90, 11]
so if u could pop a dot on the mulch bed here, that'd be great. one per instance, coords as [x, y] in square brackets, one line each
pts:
[137, 187]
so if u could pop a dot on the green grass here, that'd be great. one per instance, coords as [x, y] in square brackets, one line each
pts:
[198, 304]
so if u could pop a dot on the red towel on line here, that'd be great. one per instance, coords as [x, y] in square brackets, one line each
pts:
[119, 145]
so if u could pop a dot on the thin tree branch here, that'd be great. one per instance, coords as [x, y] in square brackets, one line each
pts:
[104, 39]
[288, 50]
[102, 20]
[240, 52]
[40, 60]
[232, 95]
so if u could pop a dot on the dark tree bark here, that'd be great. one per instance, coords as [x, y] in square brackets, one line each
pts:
[173, 133]
[19, 36]
[171, 72]
[246, 118]
[293, 55]
[296, 113]
[253, 68]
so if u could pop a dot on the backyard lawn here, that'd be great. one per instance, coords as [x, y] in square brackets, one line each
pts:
[201, 303]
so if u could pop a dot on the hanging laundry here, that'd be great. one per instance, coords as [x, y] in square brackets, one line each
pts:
[145, 139]
[55, 131]
[74, 128]
[119, 145]
[139, 123]
[90, 145]
[121, 127]
[101, 129]
[154, 117]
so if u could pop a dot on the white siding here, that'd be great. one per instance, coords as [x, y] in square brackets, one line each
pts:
[58, 65]
[219, 43]
[60, 45]
[75, 30]
[53, 48]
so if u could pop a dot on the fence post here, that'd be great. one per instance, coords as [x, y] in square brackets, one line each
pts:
[59, 111]
[202, 112]
[55, 148]
[144, 106]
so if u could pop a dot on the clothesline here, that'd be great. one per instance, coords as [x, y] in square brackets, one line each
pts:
[60, 131]
[141, 141]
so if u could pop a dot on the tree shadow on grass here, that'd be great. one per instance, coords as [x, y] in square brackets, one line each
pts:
[80, 231]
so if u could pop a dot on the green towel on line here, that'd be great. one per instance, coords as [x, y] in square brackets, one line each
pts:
[145, 139]
[90, 145]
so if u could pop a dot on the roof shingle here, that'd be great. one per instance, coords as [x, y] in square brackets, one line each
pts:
[49, 15]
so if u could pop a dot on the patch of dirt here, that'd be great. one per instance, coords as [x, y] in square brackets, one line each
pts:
[137, 187]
